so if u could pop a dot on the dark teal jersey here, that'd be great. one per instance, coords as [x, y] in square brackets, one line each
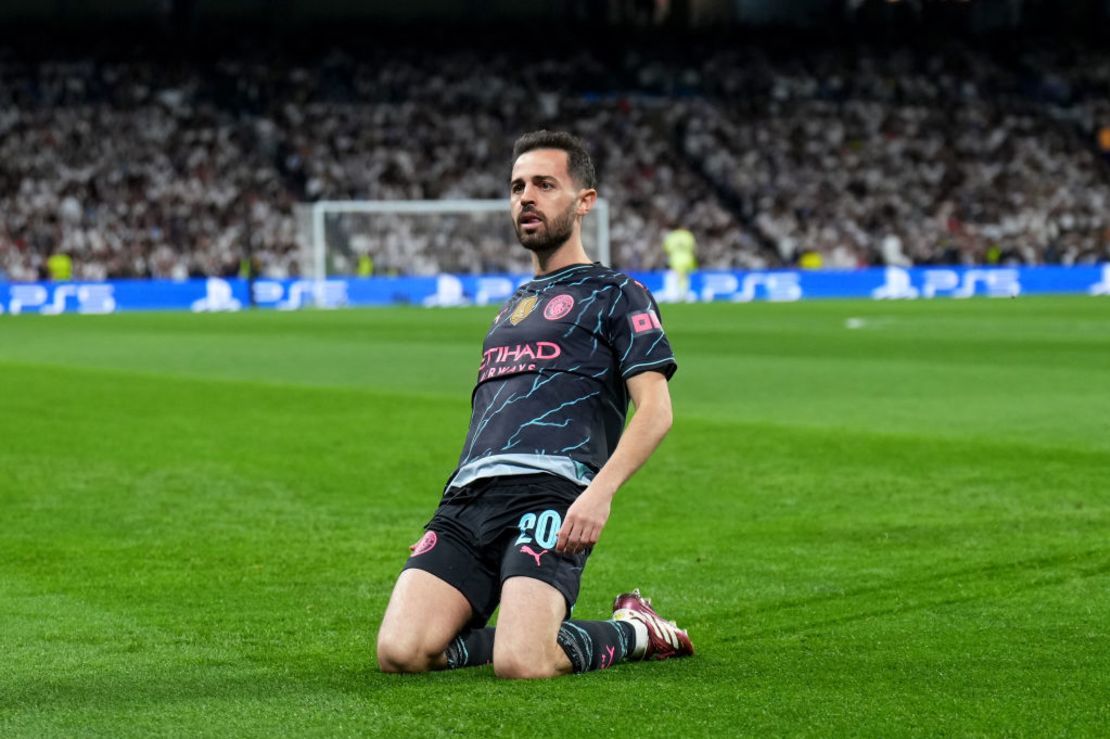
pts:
[551, 393]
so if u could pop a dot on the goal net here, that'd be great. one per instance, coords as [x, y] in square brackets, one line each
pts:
[422, 237]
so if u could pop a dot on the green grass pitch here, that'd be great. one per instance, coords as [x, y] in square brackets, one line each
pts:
[877, 519]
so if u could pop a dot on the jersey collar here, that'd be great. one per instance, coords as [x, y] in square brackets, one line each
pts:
[565, 271]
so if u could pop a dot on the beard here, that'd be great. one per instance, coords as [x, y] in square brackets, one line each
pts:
[551, 235]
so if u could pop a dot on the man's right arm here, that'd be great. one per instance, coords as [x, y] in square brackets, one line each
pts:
[588, 515]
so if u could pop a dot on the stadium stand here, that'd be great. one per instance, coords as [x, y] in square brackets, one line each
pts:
[852, 155]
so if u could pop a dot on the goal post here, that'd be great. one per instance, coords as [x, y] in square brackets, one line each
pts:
[413, 237]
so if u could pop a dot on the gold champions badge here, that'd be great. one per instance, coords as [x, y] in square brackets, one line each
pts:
[523, 309]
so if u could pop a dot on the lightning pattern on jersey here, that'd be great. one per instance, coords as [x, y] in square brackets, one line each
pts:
[551, 393]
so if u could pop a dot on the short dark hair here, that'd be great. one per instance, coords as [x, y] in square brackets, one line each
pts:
[579, 164]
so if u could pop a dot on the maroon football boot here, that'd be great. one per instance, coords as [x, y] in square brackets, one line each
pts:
[656, 638]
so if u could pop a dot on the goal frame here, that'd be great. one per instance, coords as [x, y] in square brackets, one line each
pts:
[320, 209]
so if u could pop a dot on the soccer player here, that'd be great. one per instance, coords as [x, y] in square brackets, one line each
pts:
[545, 454]
[679, 245]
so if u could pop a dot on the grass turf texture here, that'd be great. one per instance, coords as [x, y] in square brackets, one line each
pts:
[874, 518]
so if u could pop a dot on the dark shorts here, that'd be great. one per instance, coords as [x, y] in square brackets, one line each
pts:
[498, 528]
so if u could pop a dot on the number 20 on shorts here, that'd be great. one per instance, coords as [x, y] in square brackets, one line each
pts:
[545, 528]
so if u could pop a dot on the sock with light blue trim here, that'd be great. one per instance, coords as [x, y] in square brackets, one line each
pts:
[471, 648]
[596, 645]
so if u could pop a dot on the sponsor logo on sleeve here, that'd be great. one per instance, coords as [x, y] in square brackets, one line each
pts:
[645, 322]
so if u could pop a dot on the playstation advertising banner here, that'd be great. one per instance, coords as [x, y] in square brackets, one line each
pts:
[217, 294]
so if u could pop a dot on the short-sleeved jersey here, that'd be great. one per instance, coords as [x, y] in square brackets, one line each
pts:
[551, 394]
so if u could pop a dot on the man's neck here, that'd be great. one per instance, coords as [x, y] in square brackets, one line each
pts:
[569, 253]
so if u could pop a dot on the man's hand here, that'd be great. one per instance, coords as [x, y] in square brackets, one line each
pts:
[584, 521]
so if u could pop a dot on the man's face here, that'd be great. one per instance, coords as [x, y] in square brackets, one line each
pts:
[543, 199]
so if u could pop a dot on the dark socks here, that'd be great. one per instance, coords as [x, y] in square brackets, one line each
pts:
[596, 645]
[590, 645]
[471, 648]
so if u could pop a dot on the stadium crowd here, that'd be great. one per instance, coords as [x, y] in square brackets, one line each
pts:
[837, 158]
[943, 158]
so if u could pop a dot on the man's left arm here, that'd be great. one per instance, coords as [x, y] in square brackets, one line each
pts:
[587, 516]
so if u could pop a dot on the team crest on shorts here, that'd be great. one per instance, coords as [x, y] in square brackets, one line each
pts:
[523, 309]
[558, 307]
[426, 544]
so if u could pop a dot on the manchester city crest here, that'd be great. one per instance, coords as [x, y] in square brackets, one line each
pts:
[523, 309]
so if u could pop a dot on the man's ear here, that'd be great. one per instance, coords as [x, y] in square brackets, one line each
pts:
[586, 200]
